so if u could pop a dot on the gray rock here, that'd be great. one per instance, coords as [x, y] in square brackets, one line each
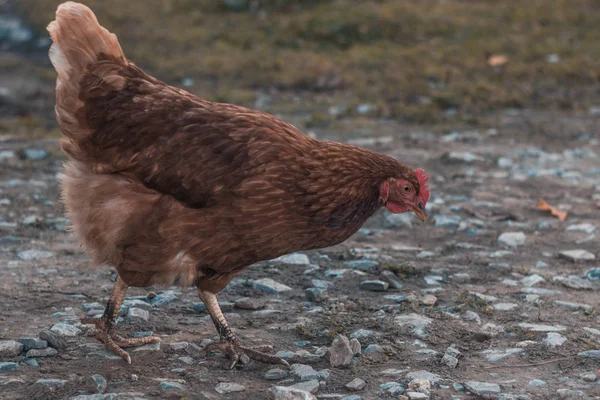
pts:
[532, 280]
[363, 265]
[248, 303]
[447, 221]
[416, 323]
[276, 374]
[179, 346]
[290, 393]
[540, 291]
[356, 384]
[374, 353]
[321, 284]
[392, 279]
[10, 348]
[100, 383]
[294, 259]
[341, 353]
[33, 254]
[590, 354]
[512, 239]
[482, 388]
[570, 394]
[147, 347]
[8, 366]
[374, 286]
[493, 356]
[537, 382]
[229, 387]
[137, 314]
[391, 372]
[542, 328]
[171, 385]
[572, 306]
[593, 274]
[585, 228]
[303, 372]
[463, 156]
[65, 330]
[417, 396]
[268, 285]
[47, 352]
[396, 221]
[575, 282]
[577, 255]
[131, 303]
[35, 154]
[361, 334]
[505, 306]
[311, 386]
[433, 379]
[589, 376]
[51, 382]
[554, 339]
[56, 340]
[355, 346]
[316, 295]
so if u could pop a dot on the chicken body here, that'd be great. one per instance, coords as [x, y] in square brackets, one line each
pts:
[169, 188]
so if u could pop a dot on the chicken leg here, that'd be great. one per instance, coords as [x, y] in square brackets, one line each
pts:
[229, 344]
[105, 326]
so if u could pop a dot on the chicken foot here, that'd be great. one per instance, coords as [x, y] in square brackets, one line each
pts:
[106, 324]
[230, 344]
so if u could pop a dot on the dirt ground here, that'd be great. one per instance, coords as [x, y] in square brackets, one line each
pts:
[472, 291]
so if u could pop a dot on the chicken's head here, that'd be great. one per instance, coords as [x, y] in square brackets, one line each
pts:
[407, 193]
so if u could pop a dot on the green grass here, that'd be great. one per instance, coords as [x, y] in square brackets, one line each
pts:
[412, 59]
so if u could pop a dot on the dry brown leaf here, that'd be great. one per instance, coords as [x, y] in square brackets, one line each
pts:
[497, 60]
[542, 205]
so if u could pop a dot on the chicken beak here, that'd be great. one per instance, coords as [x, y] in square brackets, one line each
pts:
[420, 212]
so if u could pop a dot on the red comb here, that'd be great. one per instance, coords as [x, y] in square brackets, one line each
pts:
[423, 179]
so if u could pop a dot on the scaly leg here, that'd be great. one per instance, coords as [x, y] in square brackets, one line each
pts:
[229, 343]
[105, 326]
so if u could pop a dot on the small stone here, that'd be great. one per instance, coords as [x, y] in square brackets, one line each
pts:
[593, 274]
[374, 286]
[316, 295]
[374, 353]
[100, 382]
[541, 264]
[362, 334]
[179, 346]
[416, 323]
[391, 372]
[392, 388]
[268, 285]
[417, 396]
[585, 228]
[482, 388]
[590, 354]
[248, 303]
[355, 346]
[540, 291]
[512, 239]
[66, 330]
[542, 328]
[47, 352]
[532, 280]
[290, 393]
[484, 297]
[33, 254]
[356, 384]
[303, 372]
[433, 379]
[589, 376]
[505, 306]
[572, 306]
[363, 265]
[35, 154]
[392, 279]
[276, 374]
[493, 356]
[54, 339]
[147, 347]
[428, 300]
[537, 382]
[294, 259]
[10, 348]
[137, 314]
[311, 386]
[341, 353]
[575, 282]
[463, 156]
[170, 385]
[570, 394]
[577, 255]
[229, 387]
[8, 366]
[51, 382]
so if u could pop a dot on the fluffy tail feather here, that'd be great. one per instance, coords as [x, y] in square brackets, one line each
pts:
[78, 42]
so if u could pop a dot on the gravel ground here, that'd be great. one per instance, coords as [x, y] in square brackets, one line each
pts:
[491, 298]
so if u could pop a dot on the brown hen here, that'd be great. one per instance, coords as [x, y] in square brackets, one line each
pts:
[169, 188]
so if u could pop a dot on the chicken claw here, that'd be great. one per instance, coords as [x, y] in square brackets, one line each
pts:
[114, 342]
[235, 351]
[105, 326]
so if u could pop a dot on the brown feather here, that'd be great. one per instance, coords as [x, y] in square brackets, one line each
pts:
[169, 188]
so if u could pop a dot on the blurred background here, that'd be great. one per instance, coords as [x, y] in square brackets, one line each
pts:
[448, 63]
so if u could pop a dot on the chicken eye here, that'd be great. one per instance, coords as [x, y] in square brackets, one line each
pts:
[406, 188]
